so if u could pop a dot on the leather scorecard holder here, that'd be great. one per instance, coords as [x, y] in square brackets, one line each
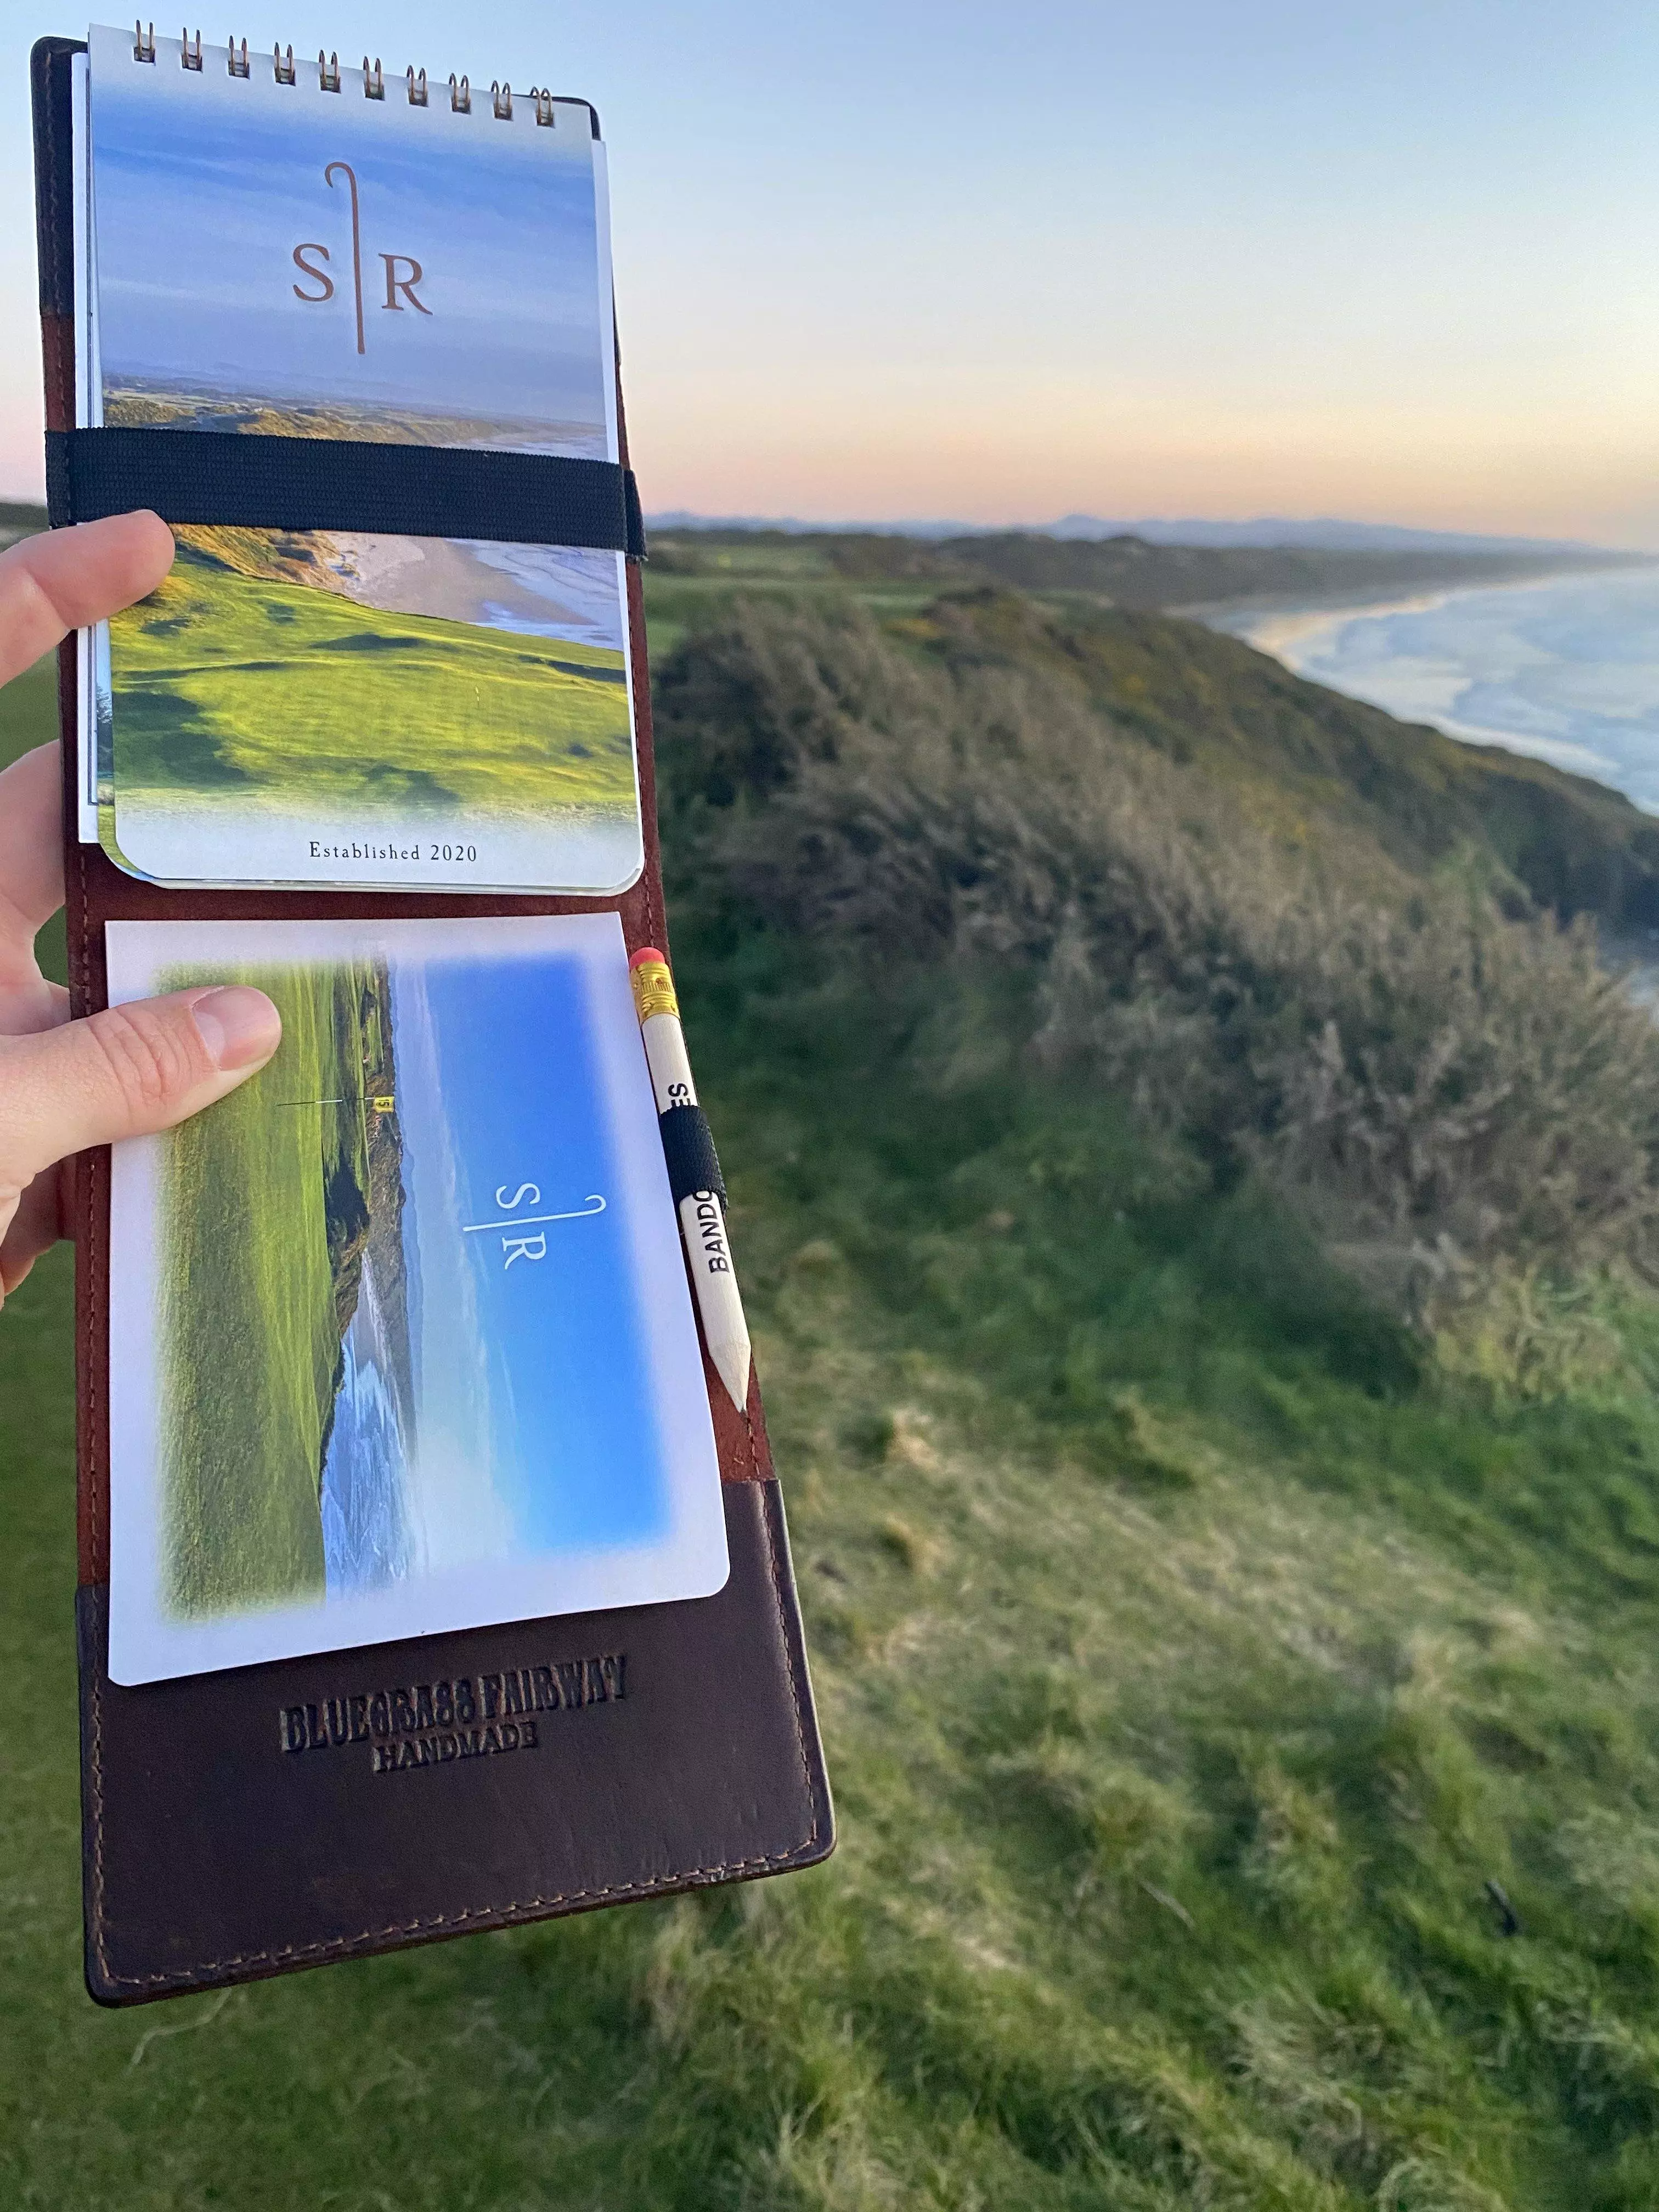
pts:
[249, 1822]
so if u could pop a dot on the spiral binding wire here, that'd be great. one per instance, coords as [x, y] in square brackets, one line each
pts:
[329, 77]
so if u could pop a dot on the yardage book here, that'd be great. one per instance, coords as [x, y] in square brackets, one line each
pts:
[430, 1581]
[279, 249]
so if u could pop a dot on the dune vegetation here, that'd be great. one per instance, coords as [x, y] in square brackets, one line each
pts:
[1194, 1189]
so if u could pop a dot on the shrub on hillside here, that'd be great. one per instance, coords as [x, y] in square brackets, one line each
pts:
[1443, 1087]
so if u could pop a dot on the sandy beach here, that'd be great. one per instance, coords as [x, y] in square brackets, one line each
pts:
[438, 576]
[1291, 633]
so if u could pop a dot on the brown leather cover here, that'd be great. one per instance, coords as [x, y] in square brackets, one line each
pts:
[652, 1748]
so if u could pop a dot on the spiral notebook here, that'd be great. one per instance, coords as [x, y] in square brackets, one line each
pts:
[430, 1580]
[272, 246]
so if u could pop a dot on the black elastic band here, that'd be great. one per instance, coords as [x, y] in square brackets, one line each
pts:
[689, 1149]
[229, 477]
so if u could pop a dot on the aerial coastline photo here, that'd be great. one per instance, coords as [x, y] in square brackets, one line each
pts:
[279, 685]
[405, 1364]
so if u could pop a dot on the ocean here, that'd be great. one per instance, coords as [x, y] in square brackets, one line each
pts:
[1566, 669]
[367, 1543]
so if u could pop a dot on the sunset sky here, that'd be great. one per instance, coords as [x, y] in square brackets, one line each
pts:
[887, 260]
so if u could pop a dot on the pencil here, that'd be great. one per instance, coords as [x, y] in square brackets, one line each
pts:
[703, 1209]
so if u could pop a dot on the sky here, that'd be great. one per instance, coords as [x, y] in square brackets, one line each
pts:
[501, 313]
[919, 258]
[530, 1368]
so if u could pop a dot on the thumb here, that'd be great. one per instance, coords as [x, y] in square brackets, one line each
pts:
[126, 1072]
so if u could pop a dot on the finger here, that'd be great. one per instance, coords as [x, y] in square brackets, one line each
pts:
[63, 579]
[30, 1003]
[36, 1226]
[31, 890]
[31, 847]
[125, 1073]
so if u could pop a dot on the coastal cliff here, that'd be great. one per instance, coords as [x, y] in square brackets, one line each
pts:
[364, 1194]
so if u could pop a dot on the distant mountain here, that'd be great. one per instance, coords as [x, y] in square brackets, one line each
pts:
[683, 517]
[1118, 571]
[1323, 534]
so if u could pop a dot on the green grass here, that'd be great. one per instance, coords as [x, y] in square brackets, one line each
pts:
[249, 1326]
[1122, 571]
[681, 605]
[1191, 1653]
[233, 685]
[1244, 1723]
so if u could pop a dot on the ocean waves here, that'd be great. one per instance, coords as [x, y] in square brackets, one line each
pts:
[1566, 670]
[367, 1543]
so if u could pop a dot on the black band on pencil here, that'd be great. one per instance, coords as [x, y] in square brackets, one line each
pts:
[689, 1149]
[233, 477]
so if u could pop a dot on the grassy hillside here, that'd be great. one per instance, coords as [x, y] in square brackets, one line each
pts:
[1135, 573]
[1295, 756]
[1298, 756]
[264, 1210]
[1126, 571]
[1442, 1078]
[1242, 1702]
[277, 694]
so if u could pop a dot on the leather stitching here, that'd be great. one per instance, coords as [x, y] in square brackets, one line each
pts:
[49, 108]
[767, 1505]
[91, 1305]
[480, 1916]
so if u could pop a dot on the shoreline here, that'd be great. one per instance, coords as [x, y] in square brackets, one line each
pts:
[440, 577]
[1296, 634]
[1244, 618]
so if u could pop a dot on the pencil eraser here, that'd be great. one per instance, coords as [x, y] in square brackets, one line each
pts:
[649, 952]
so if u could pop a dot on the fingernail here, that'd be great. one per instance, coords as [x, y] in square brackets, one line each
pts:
[238, 1025]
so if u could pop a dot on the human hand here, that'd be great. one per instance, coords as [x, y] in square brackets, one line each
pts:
[130, 1070]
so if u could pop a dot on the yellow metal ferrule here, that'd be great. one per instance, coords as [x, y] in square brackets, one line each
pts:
[653, 990]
